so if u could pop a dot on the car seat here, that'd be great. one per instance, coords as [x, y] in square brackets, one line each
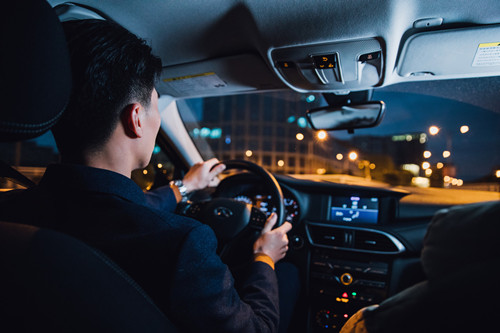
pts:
[51, 282]
[460, 259]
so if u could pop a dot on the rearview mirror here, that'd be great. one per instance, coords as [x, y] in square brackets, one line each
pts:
[347, 117]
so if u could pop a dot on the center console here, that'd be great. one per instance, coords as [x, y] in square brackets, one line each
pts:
[349, 259]
[339, 286]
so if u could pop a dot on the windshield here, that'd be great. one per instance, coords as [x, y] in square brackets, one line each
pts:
[423, 141]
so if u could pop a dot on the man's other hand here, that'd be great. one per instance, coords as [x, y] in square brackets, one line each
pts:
[273, 242]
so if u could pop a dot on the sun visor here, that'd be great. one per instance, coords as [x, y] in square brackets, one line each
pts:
[453, 53]
[219, 76]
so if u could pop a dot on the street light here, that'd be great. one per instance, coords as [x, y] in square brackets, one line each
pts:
[446, 153]
[353, 155]
[321, 135]
[249, 153]
[299, 136]
[433, 130]
[427, 154]
[339, 156]
[464, 129]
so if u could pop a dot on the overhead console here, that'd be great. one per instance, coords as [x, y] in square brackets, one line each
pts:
[353, 65]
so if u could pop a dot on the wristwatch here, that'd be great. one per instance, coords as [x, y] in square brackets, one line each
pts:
[182, 188]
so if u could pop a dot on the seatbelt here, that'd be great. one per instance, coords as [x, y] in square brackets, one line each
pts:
[6, 171]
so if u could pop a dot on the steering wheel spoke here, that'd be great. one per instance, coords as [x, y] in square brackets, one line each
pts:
[257, 219]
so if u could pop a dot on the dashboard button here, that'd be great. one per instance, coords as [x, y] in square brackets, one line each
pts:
[346, 279]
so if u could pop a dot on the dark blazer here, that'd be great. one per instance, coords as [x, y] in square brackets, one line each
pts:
[162, 198]
[172, 257]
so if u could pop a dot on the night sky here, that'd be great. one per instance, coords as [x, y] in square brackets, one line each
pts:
[475, 153]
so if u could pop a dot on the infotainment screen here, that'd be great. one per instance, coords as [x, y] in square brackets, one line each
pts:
[354, 209]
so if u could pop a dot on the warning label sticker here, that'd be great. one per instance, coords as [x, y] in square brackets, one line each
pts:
[195, 83]
[487, 54]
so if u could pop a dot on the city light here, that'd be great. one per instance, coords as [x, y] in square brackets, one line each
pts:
[426, 165]
[205, 132]
[423, 138]
[302, 122]
[464, 129]
[160, 165]
[433, 130]
[428, 172]
[497, 173]
[372, 166]
[421, 182]
[453, 181]
[439, 165]
[427, 154]
[281, 163]
[446, 153]
[145, 172]
[249, 153]
[414, 169]
[321, 171]
[340, 157]
[321, 135]
[310, 98]
[353, 155]
[300, 136]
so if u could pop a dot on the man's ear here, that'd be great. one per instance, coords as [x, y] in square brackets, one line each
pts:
[132, 120]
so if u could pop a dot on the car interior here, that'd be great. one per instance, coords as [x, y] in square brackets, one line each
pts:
[419, 258]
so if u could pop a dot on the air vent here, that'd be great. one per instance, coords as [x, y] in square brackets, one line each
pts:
[374, 241]
[326, 236]
[353, 239]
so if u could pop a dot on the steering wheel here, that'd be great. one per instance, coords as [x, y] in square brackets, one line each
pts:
[237, 224]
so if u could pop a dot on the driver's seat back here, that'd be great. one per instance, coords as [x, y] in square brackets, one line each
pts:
[52, 282]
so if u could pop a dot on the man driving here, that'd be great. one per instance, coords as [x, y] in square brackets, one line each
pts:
[109, 129]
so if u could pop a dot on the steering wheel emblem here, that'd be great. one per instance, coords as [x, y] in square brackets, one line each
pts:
[223, 212]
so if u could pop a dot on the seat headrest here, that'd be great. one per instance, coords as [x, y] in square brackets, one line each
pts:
[35, 70]
[461, 237]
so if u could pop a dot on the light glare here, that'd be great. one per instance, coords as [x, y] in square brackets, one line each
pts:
[433, 130]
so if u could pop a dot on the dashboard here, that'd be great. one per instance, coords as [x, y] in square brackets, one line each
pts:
[263, 202]
[350, 243]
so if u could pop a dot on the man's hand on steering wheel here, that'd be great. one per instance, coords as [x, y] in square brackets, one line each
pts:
[202, 174]
[273, 242]
[240, 226]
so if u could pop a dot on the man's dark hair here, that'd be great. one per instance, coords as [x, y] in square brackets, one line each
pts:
[111, 69]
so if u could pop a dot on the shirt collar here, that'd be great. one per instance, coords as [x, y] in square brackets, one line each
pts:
[85, 178]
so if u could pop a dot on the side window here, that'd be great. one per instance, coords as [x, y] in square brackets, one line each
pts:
[29, 157]
[32, 157]
[159, 172]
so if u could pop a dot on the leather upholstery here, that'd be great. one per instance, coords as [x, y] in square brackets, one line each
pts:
[52, 282]
[35, 80]
[460, 257]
